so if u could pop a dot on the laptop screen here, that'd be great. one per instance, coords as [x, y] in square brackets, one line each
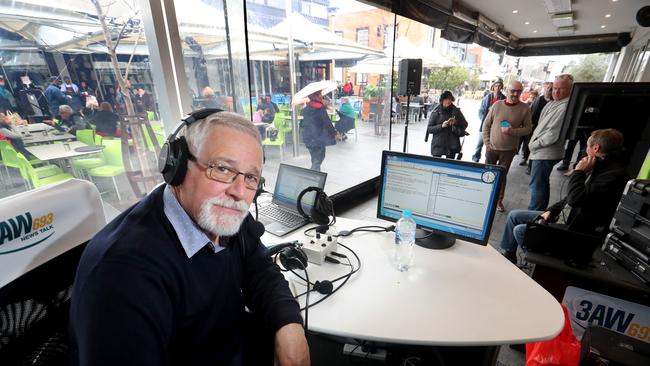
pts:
[291, 181]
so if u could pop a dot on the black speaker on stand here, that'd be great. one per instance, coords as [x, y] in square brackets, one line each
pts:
[410, 74]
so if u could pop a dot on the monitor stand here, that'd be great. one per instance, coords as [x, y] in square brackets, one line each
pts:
[430, 240]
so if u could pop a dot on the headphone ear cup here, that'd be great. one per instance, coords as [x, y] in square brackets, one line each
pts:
[292, 258]
[178, 156]
[322, 209]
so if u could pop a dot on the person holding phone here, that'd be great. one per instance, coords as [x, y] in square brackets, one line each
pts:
[446, 125]
[593, 193]
[506, 122]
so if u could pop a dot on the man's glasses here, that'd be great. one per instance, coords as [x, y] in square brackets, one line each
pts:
[515, 91]
[221, 172]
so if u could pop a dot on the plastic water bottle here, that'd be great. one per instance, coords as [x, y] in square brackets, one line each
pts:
[404, 240]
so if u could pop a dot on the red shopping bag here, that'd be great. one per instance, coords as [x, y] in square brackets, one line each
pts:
[563, 350]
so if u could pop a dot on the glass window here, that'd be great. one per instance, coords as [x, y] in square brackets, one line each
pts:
[339, 33]
[362, 36]
[276, 3]
[75, 50]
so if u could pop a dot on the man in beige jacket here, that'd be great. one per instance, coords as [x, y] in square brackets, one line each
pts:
[506, 121]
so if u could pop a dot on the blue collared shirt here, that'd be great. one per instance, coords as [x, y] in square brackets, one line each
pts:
[192, 238]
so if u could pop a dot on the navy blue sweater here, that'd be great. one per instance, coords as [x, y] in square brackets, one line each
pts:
[138, 299]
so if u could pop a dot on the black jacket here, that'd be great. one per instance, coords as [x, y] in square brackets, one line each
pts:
[106, 122]
[593, 197]
[139, 300]
[317, 129]
[446, 141]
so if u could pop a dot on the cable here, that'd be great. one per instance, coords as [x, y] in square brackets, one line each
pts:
[381, 229]
[306, 300]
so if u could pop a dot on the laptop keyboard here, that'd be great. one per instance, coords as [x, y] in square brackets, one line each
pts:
[284, 217]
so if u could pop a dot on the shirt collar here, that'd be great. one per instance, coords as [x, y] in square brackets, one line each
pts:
[191, 237]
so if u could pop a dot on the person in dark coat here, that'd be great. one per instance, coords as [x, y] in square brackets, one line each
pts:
[593, 193]
[446, 125]
[346, 121]
[317, 129]
[55, 96]
[106, 121]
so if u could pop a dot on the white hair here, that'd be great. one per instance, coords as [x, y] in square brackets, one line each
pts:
[198, 132]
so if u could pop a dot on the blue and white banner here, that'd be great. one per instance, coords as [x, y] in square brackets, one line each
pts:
[38, 225]
[588, 307]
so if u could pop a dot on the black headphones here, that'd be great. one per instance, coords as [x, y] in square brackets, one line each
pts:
[294, 258]
[291, 256]
[174, 154]
[323, 207]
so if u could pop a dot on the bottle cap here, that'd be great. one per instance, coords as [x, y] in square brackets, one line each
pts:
[406, 212]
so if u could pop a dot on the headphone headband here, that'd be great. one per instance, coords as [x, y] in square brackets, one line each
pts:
[322, 208]
[172, 162]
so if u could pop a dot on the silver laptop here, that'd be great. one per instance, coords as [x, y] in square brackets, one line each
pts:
[281, 216]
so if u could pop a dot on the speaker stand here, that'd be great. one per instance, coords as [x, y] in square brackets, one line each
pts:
[406, 120]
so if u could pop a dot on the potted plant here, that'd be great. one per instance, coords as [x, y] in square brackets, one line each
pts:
[371, 95]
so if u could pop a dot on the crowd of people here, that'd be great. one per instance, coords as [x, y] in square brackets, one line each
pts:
[532, 127]
[81, 98]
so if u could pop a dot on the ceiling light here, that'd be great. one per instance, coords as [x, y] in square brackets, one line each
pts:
[614, 1]
[557, 6]
[535, 31]
[526, 23]
[608, 15]
[566, 31]
[603, 26]
[515, 11]
[562, 20]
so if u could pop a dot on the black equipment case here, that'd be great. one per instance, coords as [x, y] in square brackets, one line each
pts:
[628, 256]
[631, 221]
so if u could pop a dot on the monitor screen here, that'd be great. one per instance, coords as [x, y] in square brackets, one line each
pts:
[452, 198]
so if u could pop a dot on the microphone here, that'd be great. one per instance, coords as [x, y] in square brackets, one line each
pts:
[323, 287]
[255, 228]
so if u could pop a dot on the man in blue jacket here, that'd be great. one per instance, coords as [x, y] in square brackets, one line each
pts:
[168, 281]
[55, 96]
[486, 103]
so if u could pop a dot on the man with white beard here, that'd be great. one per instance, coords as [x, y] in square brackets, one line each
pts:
[167, 281]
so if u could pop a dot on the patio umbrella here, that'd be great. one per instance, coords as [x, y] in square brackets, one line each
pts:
[324, 86]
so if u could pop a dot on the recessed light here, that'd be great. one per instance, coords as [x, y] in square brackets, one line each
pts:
[535, 31]
[526, 23]
[603, 26]
[614, 1]
[515, 11]
[608, 15]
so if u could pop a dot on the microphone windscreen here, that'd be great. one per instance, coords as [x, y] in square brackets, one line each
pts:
[325, 287]
[256, 229]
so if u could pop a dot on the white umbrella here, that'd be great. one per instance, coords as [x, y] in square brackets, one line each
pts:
[323, 86]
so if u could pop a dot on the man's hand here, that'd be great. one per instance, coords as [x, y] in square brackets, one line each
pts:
[445, 124]
[291, 347]
[586, 164]
[546, 216]
[506, 130]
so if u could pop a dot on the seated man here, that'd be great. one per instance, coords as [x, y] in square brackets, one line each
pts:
[592, 196]
[69, 121]
[167, 282]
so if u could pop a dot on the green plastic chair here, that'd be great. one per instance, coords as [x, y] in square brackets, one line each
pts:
[86, 136]
[113, 164]
[4, 144]
[98, 139]
[34, 177]
[279, 140]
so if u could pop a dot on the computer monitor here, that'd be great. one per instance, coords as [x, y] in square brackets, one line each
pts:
[449, 199]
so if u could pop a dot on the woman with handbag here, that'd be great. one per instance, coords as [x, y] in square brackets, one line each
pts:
[446, 125]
